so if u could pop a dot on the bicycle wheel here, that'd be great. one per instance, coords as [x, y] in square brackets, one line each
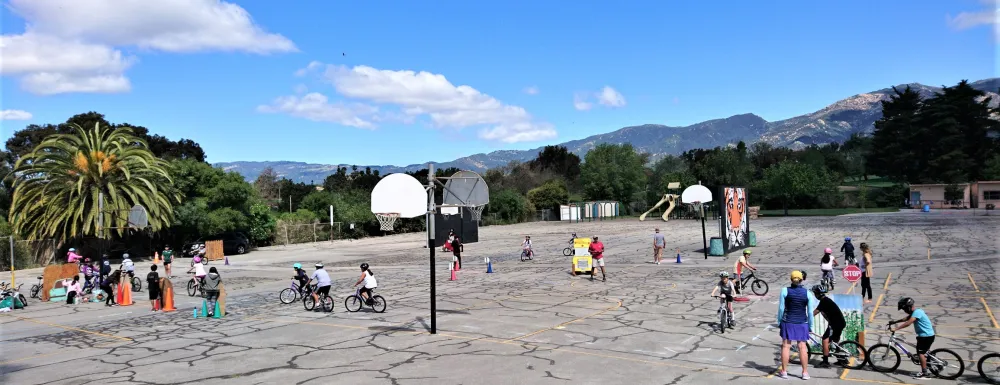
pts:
[309, 302]
[568, 252]
[854, 353]
[34, 290]
[378, 304]
[136, 284]
[723, 320]
[989, 368]
[24, 301]
[191, 288]
[883, 358]
[524, 256]
[759, 287]
[288, 296]
[352, 303]
[945, 364]
[327, 303]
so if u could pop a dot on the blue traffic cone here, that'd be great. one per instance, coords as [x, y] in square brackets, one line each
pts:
[678, 257]
[227, 260]
[489, 266]
[204, 308]
[216, 313]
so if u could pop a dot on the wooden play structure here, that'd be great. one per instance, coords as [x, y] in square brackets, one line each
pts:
[213, 250]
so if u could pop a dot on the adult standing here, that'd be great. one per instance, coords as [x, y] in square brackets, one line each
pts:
[659, 242]
[866, 272]
[794, 323]
[597, 252]
[168, 258]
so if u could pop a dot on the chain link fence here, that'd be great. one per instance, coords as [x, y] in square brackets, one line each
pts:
[294, 232]
[27, 254]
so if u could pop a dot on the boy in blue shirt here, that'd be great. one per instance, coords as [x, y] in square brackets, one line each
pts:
[925, 332]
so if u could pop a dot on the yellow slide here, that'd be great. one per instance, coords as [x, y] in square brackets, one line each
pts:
[667, 198]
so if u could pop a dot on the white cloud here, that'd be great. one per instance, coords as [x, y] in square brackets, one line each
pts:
[610, 97]
[317, 107]
[607, 96]
[989, 15]
[75, 46]
[425, 94]
[532, 90]
[14, 115]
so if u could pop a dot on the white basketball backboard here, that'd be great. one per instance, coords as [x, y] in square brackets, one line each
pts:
[399, 193]
[466, 188]
[696, 193]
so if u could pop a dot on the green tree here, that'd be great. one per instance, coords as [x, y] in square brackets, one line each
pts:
[558, 160]
[59, 184]
[267, 185]
[509, 206]
[613, 171]
[895, 141]
[992, 169]
[549, 195]
[214, 202]
[666, 170]
[953, 193]
[789, 180]
[261, 223]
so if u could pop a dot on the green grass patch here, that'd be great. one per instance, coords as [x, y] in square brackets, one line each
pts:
[824, 212]
[873, 181]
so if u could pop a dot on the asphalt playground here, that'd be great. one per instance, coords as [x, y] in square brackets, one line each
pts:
[527, 322]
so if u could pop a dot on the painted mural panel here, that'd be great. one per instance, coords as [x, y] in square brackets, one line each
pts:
[735, 221]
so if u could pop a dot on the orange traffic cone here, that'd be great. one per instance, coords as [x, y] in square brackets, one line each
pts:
[126, 294]
[118, 294]
[167, 296]
[453, 277]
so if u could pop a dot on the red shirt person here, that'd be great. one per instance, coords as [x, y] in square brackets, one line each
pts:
[597, 252]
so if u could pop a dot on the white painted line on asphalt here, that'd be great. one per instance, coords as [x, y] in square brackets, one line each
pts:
[741, 347]
[689, 339]
[114, 315]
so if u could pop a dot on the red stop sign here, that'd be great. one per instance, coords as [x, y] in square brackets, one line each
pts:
[852, 273]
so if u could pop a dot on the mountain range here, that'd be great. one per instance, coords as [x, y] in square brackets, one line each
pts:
[835, 123]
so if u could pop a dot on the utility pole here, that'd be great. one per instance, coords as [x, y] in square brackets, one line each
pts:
[430, 243]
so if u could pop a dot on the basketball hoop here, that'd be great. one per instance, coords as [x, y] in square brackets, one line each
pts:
[477, 212]
[386, 220]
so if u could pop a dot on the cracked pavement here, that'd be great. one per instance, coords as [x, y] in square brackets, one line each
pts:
[527, 323]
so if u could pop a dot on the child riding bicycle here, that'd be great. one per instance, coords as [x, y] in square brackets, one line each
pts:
[835, 321]
[925, 331]
[725, 289]
[370, 283]
[526, 245]
[827, 263]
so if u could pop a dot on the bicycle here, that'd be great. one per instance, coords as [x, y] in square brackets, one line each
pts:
[354, 302]
[843, 351]
[989, 368]
[758, 286]
[36, 288]
[569, 251]
[6, 290]
[294, 292]
[827, 283]
[725, 317]
[136, 283]
[194, 288]
[890, 353]
[309, 302]
[526, 254]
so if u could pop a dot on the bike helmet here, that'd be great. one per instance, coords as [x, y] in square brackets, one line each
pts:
[72, 249]
[364, 266]
[86, 260]
[319, 265]
[818, 290]
[747, 251]
[297, 266]
[724, 274]
[125, 255]
[828, 250]
[847, 238]
[904, 303]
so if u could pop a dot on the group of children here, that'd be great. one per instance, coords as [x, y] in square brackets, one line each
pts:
[321, 279]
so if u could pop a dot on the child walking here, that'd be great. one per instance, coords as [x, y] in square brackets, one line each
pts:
[153, 281]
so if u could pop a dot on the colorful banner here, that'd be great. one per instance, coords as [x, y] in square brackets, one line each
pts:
[735, 232]
[852, 307]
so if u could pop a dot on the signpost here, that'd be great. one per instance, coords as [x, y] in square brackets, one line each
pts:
[852, 273]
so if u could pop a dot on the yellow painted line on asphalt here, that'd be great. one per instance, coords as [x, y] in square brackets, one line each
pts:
[928, 253]
[973, 282]
[886, 285]
[69, 328]
[875, 310]
[877, 381]
[850, 361]
[990, 313]
[851, 288]
[618, 305]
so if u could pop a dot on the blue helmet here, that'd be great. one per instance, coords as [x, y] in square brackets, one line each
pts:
[297, 266]
[847, 239]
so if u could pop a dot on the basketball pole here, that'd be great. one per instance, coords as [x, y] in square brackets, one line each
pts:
[430, 243]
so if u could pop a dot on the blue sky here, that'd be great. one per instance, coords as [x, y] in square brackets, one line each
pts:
[228, 80]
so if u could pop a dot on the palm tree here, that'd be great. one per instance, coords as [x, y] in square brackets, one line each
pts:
[58, 185]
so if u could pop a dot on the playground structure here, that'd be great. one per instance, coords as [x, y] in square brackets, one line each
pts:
[667, 198]
[589, 211]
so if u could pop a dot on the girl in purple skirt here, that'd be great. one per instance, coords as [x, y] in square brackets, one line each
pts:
[794, 322]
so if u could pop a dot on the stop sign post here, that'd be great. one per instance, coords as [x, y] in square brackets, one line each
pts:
[852, 273]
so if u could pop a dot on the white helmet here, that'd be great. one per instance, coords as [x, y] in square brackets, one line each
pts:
[319, 265]
[125, 255]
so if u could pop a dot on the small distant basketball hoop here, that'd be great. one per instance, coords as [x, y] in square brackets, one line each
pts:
[386, 220]
[138, 217]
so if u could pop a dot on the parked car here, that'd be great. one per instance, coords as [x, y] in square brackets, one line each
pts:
[232, 243]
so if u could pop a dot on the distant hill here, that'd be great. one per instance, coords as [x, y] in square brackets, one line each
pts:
[835, 123]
